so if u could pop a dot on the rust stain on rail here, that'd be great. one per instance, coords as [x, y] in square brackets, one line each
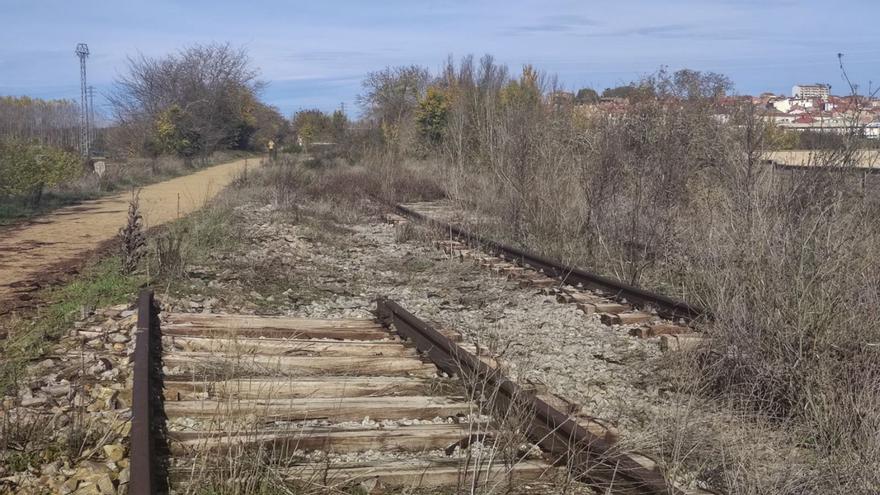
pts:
[593, 458]
[665, 306]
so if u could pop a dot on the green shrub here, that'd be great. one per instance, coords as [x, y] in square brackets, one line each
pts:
[26, 169]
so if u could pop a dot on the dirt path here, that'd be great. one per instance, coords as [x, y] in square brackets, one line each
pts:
[39, 251]
[870, 158]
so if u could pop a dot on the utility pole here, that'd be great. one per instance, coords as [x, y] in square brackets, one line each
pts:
[82, 51]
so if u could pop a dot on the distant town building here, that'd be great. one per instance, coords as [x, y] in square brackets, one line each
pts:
[560, 99]
[781, 104]
[805, 91]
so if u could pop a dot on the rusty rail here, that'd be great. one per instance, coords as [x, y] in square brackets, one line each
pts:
[665, 306]
[592, 458]
[143, 463]
[852, 169]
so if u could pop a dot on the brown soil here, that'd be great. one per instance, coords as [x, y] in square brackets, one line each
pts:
[868, 159]
[36, 253]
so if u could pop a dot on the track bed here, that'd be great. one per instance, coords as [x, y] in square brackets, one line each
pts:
[324, 405]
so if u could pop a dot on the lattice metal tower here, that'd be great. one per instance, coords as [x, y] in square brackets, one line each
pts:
[93, 128]
[82, 51]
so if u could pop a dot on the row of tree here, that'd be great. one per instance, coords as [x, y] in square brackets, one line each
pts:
[47, 122]
[189, 104]
[682, 84]
[414, 108]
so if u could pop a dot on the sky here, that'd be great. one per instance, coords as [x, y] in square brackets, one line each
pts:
[315, 54]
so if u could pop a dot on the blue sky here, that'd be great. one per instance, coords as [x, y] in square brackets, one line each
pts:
[314, 54]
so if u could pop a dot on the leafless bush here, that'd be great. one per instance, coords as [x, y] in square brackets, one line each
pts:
[284, 193]
[344, 189]
[667, 196]
[132, 237]
[405, 232]
[169, 254]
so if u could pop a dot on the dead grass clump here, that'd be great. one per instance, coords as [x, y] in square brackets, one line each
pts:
[392, 179]
[406, 231]
[193, 239]
[284, 182]
[23, 438]
[169, 255]
[131, 237]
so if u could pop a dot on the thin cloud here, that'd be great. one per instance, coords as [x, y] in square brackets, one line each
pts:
[676, 31]
[555, 24]
[328, 55]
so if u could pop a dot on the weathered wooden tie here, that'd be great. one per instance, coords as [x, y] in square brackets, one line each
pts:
[281, 386]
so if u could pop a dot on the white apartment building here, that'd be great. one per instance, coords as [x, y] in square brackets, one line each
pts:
[786, 105]
[783, 105]
[805, 91]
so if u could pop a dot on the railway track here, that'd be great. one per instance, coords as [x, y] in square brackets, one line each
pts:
[646, 313]
[352, 406]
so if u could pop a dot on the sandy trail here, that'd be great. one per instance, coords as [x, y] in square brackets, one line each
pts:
[39, 251]
[868, 158]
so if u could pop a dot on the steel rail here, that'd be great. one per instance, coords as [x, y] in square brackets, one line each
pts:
[665, 306]
[143, 463]
[592, 458]
[853, 169]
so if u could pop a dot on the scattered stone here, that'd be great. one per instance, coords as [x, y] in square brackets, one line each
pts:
[114, 452]
[57, 390]
[33, 401]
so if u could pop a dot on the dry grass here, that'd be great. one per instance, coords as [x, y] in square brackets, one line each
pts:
[668, 198]
[787, 263]
[789, 268]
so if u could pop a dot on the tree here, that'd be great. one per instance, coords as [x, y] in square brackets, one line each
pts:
[270, 125]
[173, 134]
[523, 92]
[393, 93]
[587, 96]
[313, 126]
[190, 103]
[391, 99]
[778, 138]
[521, 120]
[687, 84]
[626, 91]
[432, 115]
[339, 123]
